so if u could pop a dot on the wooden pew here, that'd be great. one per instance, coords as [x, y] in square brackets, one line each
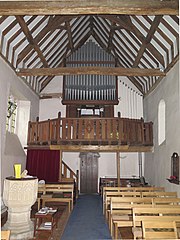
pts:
[108, 196]
[159, 194]
[165, 201]
[130, 189]
[58, 193]
[159, 229]
[41, 191]
[114, 189]
[166, 212]
[120, 213]
[5, 235]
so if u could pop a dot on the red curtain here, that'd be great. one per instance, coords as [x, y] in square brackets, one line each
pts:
[44, 164]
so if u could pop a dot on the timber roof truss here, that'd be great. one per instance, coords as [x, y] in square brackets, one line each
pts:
[43, 42]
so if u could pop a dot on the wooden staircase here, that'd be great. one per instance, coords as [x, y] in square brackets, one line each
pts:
[68, 175]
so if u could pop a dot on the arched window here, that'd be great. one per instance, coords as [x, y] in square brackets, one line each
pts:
[11, 114]
[161, 121]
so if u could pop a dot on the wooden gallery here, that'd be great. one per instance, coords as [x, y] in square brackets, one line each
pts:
[90, 112]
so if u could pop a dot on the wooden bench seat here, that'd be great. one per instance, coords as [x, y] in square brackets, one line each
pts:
[56, 193]
[5, 235]
[159, 229]
[159, 194]
[150, 194]
[166, 212]
[166, 201]
[108, 190]
[131, 189]
[120, 213]
[109, 195]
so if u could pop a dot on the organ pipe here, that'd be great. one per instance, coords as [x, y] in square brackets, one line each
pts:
[90, 87]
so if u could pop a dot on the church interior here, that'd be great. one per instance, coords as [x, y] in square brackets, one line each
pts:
[90, 109]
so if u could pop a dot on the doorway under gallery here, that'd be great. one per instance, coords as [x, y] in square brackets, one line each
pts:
[89, 172]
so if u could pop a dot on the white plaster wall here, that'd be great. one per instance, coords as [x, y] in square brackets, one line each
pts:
[128, 165]
[49, 108]
[11, 149]
[72, 160]
[158, 163]
[130, 100]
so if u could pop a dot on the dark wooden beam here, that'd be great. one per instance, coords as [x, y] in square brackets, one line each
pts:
[81, 42]
[56, 21]
[111, 35]
[117, 71]
[38, 38]
[147, 39]
[175, 60]
[50, 95]
[93, 148]
[134, 7]
[68, 28]
[117, 20]
[131, 28]
[30, 39]
[118, 167]
[137, 84]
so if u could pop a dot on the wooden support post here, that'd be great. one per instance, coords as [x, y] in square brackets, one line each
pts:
[60, 165]
[77, 183]
[118, 167]
[37, 132]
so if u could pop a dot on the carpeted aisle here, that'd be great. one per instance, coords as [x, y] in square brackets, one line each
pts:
[87, 221]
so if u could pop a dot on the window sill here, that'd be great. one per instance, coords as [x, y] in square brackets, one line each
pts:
[173, 181]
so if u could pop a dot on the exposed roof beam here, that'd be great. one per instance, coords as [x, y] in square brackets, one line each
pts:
[30, 39]
[56, 21]
[130, 27]
[160, 78]
[111, 34]
[115, 19]
[117, 71]
[147, 39]
[81, 42]
[137, 7]
[118, 61]
[68, 27]
[50, 95]
[41, 35]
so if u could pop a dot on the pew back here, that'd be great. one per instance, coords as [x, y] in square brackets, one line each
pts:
[144, 213]
[159, 229]
[159, 194]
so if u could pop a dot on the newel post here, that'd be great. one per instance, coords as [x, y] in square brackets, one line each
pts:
[60, 165]
[30, 137]
[58, 127]
[77, 182]
[37, 128]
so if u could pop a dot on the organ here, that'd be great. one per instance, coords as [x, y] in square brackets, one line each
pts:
[94, 88]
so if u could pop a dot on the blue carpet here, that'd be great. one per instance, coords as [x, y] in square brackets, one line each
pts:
[87, 221]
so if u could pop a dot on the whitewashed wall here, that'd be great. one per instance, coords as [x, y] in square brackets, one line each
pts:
[11, 149]
[130, 105]
[130, 100]
[158, 163]
[49, 108]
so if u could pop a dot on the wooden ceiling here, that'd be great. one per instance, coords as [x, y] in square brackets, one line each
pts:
[37, 37]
